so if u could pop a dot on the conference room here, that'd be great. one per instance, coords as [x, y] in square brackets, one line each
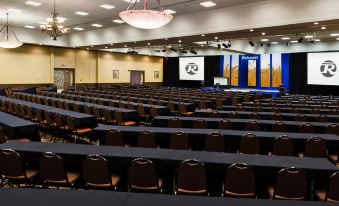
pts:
[169, 102]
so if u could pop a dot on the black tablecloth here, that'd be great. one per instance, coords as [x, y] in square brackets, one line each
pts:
[281, 105]
[15, 127]
[168, 159]
[80, 120]
[283, 110]
[266, 115]
[237, 124]
[127, 114]
[54, 197]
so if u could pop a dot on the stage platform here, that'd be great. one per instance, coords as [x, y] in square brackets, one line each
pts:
[273, 92]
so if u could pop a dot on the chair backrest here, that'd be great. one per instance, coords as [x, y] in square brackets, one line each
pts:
[107, 115]
[58, 121]
[11, 164]
[332, 194]
[154, 111]
[174, 123]
[249, 144]
[202, 105]
[66, 107]
[76, 108]
[215, 142]
[87, 110]
[283, 146]
[60, 105]
[316, 147]
[252, 125]
[234, 100]
[191, 177]
[306, 127]
[52, 167]
[96, 112]
[142, 176]
[70, 123]
[130, 105]
[254, 115]
[141, 109]
[219, 103]
[279, 126]
[182, 108]
[277, 117]
[118, 117]
[122, 105]
[171, 107]
[214, 114]
[322, 118]
[3, 137]
[179, 141]
[332, 128]
[301, 117]
[200, 123]
[113, 138]
[225, 124]
[96, 171]
[291, 184]
[146, 139]
[236, 175]
[233, 115]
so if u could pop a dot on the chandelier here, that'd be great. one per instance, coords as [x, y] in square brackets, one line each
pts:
[54, 27]
[145, 19]
[5, 41]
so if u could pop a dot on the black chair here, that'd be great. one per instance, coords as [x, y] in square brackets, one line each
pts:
[332, 193]
[179, 141]
[282, 146]
[249, 144]
[146, 139]
[113, 138]
[215, 142]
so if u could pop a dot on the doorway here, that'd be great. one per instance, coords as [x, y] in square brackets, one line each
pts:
[64, 78]
[137, 77]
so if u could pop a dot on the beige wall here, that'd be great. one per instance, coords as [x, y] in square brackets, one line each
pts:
[35, 65]
[107, 62]
[25, 65]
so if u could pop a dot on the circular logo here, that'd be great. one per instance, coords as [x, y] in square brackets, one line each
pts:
[328, 68]
[192, 68]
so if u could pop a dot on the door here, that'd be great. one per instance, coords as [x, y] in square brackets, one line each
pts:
[63, 78]
[137, 77]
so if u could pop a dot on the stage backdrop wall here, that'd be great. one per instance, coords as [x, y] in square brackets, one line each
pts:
[213, 68]
[298, 78]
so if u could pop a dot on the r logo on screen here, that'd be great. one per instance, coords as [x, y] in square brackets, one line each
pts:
[328, 68]
[191, 68]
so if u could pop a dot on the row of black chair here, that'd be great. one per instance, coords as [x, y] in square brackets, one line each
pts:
[190, 179]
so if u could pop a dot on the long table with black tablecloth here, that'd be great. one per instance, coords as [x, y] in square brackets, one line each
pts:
[237, 124]
[283, 105]
[80, 119]
[16, 128]
[54, 197]
[127, 114]
[197, 137]
[114, 98]
[283, 110]
[169, 159]
[265, 115]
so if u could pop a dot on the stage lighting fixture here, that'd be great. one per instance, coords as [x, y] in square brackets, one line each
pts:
[251, 43]
[184, 52]
[229, 44]
[173, 49]
[300, 40]
[157, 50]
[193, 52]
[262, 44]
[224, 45]
[164, 50]
[219, 46]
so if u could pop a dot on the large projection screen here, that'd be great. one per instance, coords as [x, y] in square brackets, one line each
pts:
[192, 68]
[322, 68]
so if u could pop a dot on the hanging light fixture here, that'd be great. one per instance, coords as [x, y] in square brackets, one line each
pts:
[145, 19]
[54, 27]
[5, 41]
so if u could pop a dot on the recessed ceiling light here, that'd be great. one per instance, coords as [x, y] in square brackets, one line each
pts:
[78, 28]
[263, 33]
[96, 25]
[91, 45]
[316, 23]
[118, 21]
[275, 42]
[251, 30]
[294, 41]
[81, 13]
[169, 11]
[33, 3]
[202, 34]
[125, 45]
[308, 36]
[29, 27]
[87, 48]
[285, 38]
[317, 40]
[323, 27]
[106, 47]
[112, 44]
[264, 40]
[166, 39]
[337, 39]
[107, 6]
[216, 38]
[333, 35]
[202, 45]
[14, 10]
[207, 4]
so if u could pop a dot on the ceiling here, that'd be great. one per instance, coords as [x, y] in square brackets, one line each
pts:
[31, 15]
